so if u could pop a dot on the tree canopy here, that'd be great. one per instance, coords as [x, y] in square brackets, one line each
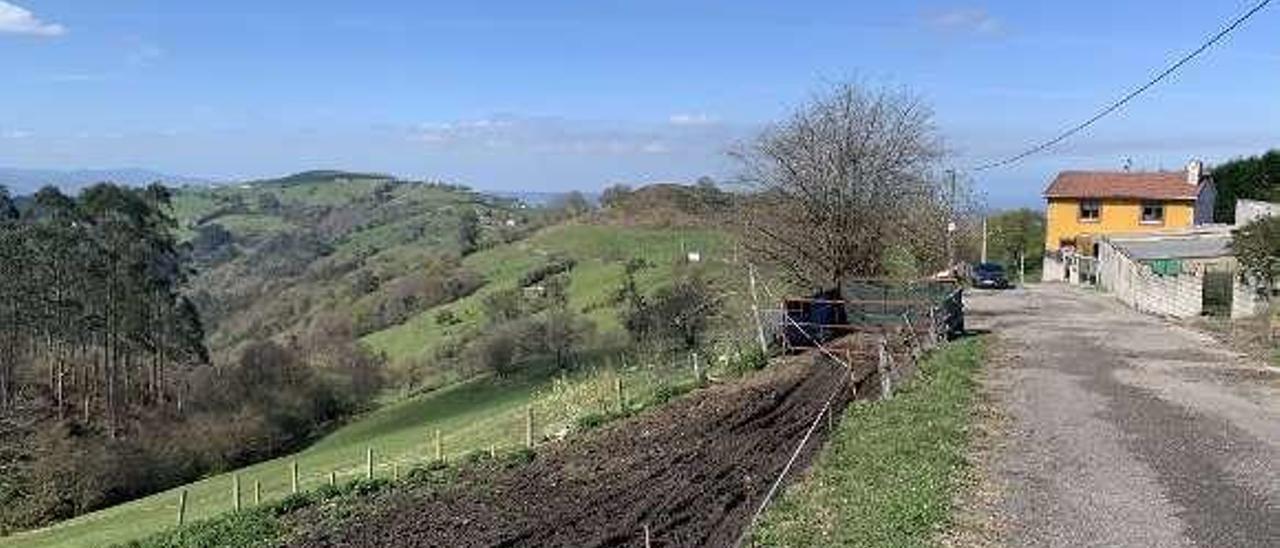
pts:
[849, 176]
[1252, 178]
[1257, 247]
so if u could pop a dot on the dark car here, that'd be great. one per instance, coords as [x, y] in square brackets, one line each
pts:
[989, 276]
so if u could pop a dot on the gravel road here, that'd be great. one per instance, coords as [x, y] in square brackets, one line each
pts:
[1124, 429]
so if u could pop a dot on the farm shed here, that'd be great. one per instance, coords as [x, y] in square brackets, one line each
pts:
[1183, 275]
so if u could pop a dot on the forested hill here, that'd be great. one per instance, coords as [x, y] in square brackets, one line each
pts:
[149, 335]
[276, 257]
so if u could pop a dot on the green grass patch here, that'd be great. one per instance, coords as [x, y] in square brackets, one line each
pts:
[472, 417]
[599, 252]
[888, 475]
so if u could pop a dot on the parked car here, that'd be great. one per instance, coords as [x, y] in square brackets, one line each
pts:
[989, 276]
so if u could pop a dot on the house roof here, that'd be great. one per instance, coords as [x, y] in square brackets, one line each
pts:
[1203, 245]
[1149, 185]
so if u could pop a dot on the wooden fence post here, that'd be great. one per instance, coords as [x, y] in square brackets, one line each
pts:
[333, 478]
[648, 539]
[294, 476]
[528, 427]
[235, 492]
[257, 492]
[882, 368]
[368, 463]
[617, 394]
[182, 507]
[439, 447]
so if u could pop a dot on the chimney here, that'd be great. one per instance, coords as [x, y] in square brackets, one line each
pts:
[1195, 171]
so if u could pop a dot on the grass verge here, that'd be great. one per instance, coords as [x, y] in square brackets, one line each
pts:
[888, 475]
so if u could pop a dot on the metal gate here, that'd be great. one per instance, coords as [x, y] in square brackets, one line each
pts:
[1218, 289]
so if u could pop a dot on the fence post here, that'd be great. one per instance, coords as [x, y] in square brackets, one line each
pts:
[257, 492]
[528, 427]
[294, 476]
[395, 471]
[439, 447]
[697, 373]
[333, 478]
[235, 492]
[368, 463]
[617, 394]
[182, 507]
[882, 368]
[933, 326]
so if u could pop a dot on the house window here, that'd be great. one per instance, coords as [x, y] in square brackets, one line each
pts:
[1152, 213]
[1090, 210]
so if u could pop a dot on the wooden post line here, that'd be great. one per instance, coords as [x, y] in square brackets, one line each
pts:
[235, 492]
[294, 476]
[439, 447]
[528, 427]
[182, 507]
[257, 492]
[617, 394]
[368, 463]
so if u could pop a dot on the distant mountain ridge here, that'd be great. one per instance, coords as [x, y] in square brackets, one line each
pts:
[26, 181]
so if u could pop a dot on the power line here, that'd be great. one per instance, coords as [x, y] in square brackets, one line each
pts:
[1132, 95]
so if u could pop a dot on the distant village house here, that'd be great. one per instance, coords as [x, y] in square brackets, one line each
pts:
[1082, 206]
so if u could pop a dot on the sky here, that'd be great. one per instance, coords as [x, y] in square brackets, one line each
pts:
[559, 95]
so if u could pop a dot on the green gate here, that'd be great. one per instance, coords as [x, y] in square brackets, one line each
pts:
[1219, 284]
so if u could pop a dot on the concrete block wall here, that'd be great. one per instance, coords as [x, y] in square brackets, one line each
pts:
[1134, 284]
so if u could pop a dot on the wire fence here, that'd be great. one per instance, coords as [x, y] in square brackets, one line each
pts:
[877, 342]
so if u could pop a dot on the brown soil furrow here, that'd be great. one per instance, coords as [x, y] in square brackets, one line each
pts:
[692, 471]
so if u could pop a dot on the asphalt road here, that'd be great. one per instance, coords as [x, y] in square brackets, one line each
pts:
[1126, 430]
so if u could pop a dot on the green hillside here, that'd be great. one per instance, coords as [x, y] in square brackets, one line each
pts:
[472, 409]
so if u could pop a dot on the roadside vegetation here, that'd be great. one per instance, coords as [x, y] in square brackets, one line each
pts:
[888, 475]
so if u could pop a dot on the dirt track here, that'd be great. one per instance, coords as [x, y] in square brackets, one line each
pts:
[692, 471]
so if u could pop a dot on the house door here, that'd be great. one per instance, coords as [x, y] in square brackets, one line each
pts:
[1218, 285]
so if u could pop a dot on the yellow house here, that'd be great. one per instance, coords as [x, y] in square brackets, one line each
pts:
[1082, 205]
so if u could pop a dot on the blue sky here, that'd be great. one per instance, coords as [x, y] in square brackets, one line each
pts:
[575, 95]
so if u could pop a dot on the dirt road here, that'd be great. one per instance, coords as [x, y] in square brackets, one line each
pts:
[1125, 430]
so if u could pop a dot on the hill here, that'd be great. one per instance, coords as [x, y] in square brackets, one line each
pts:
[279, 257]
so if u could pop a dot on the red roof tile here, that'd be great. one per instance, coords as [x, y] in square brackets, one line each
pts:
[1151, 185]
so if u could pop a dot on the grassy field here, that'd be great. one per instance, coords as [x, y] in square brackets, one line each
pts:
[600, 251]
[888, 475]
[471, 416]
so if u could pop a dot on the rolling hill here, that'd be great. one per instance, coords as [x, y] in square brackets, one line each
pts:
[275, 255]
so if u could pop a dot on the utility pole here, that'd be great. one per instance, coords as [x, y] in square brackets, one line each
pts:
[951, 221]
[755, 310]
[984, 239]
[1022, 269]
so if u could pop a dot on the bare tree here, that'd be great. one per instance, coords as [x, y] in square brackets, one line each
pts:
[849, 176]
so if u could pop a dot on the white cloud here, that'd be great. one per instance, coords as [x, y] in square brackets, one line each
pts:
[969, 20]
[15, 19]
[691, 119]
[561, 136]
[15, 134]
[144, 54]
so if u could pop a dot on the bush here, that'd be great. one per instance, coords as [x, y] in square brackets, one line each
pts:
[557, 264]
